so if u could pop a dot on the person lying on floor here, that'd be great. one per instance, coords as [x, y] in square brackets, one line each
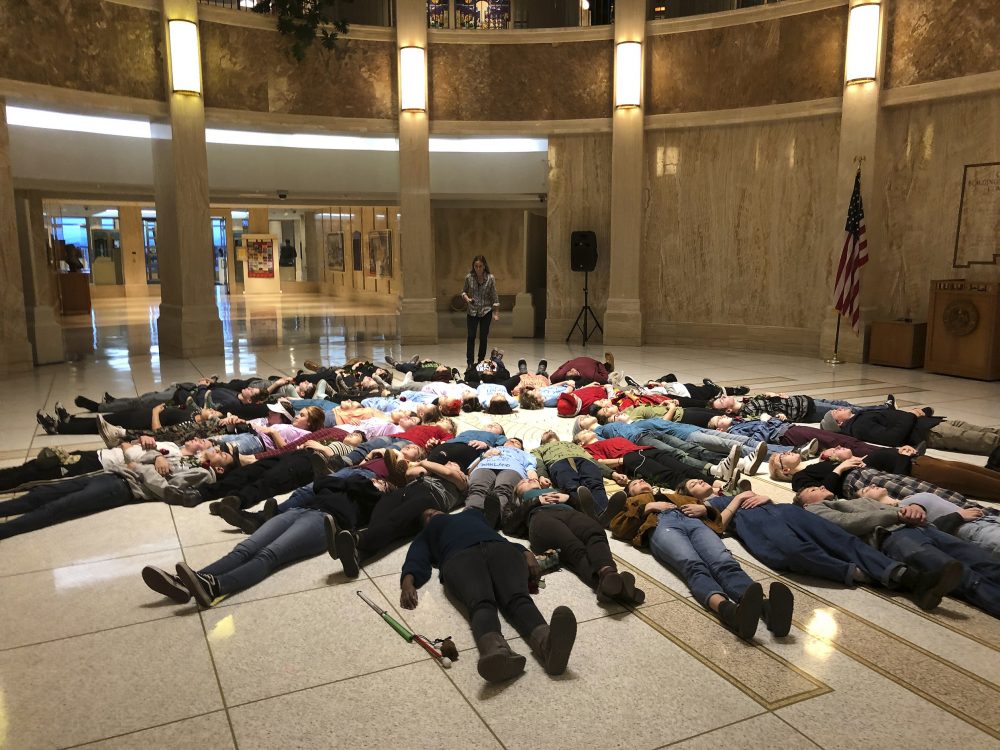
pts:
[584, 370]
[784, 436]
[785, 537]
[784, 407]
[493, 477]
[547, 519]
[569, 466]
[132, 420]
[150, 478]
[682, 534]
[488, 575]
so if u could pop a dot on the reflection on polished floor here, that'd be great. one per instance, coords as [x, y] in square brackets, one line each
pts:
[89, 655]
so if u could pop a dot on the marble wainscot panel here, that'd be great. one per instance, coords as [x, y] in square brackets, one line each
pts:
[790, 59]
[88, 45]
[930, 40]
[538, 81]
[249, 69]
[922, 152]
[579, 199]
[737, 233]
[461, 233]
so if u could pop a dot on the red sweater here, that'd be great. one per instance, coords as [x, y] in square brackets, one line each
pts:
[588, 367]
[615, 447]
[423, 433]
[579, 401]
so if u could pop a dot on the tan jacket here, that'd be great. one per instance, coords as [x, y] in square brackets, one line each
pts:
[632, 525]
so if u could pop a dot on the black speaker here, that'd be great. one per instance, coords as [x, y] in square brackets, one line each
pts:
[583, 251]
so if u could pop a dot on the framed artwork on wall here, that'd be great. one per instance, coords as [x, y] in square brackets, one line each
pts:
[335, 251]
[379, 253]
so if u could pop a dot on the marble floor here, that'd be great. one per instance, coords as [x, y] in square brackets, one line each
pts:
[89, 656]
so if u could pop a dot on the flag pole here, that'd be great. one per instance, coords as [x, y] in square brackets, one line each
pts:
[835, 360]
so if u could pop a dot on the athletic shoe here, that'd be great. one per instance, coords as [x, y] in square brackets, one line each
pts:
[47, 423]
[808, 450]
[543, 367]
[632, 382]
[312, 364]
[390, 360]
[616, 504]
[890, 401]
[522, 367]
[202, 586]
[232, 501]
[164, 583]
[415, 359]
[742, 618]
[110, 434]
[61, 413]
[585, 499]
[726, 467]
[732, 486]
[617, 379]
[609, 361]
[630, 594]
[749, 464]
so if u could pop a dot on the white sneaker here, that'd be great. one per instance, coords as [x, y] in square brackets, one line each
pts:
[749, 464]
[725, 468]
[617, 379]
[110, 434]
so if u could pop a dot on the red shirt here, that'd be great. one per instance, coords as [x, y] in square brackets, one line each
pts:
[615, 447]
[422, 433]
[579, 401]
[624, 401]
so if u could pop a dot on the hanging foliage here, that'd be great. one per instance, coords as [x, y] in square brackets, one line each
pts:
[302, 22]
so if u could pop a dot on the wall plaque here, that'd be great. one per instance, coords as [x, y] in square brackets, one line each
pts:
[977, 239]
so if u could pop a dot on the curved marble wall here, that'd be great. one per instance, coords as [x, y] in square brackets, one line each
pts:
[538, 81]
[88, 45]
[249, 69]
[931, 40]
[789, 59]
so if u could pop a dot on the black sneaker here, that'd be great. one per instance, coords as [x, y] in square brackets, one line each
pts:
[390, 360]
[61, 413]
[585, 499]
[164, 583]
[930, 586]
[47, 423]
[108, 398]
[202, 586]
[616, 504]
[632, 382]
[347, 551]
[890, 401]
[330, 527]
[244, 520]
[232, 501]
[928, 411]
[737, 390]
[777, 610]
[993, 462]
[522, 367]
[543, 367]
[742, 618]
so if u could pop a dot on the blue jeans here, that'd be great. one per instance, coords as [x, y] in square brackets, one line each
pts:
[49, 504]
[294, 535]
[695, 553]
[983, 532]
[322, 403]
[930, 548]
[711, 440]
[246, 442]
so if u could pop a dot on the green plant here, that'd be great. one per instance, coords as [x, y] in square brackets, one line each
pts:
[303, 21]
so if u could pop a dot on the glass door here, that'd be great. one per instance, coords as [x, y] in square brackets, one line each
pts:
[149, 242]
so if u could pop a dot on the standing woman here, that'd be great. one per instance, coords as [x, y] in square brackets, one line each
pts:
[480, 294]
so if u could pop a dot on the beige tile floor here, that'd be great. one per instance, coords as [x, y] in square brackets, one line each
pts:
[89, 655]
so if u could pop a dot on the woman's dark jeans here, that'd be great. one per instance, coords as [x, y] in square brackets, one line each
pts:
[483, 324]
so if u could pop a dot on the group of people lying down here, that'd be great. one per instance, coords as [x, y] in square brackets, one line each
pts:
[367, 456]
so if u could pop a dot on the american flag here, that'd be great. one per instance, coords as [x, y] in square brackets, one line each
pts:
[852, 258]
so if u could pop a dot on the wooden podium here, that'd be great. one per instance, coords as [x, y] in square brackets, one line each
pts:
[963, 336]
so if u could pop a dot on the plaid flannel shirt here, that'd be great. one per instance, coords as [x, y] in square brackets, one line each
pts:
[899, 486]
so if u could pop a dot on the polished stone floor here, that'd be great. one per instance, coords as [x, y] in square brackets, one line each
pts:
[89, 655]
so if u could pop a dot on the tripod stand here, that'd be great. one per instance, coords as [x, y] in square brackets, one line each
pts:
[586, 313]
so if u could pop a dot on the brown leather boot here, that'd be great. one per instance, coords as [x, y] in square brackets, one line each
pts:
[497, 662]
[553, 643]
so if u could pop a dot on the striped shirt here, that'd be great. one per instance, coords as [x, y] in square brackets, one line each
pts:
[484, 296]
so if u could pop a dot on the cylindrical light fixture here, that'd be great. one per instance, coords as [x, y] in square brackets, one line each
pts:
[412, 79]
[861, 63]
[628, 74]
[185, 56]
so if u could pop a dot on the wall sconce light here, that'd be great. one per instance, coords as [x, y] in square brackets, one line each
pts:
[185, 56]
[628, 74]
[861, 61]
[412, 79]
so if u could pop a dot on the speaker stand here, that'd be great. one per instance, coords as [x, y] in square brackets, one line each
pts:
[586, 313]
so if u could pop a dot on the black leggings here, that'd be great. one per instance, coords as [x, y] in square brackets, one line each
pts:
[49, 469]
[488, 577]
[395, 517]
[660, 468]
[581, 541]
[483, 324]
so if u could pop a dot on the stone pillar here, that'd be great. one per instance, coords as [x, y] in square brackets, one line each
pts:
[418, 323]
[189, 322]
[623, 315]
[859, 122]
[41, 299]
[133, 251]
[15, 348]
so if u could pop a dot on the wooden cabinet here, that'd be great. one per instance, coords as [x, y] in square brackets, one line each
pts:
[74, 293]
[897, 343]
[963, 336]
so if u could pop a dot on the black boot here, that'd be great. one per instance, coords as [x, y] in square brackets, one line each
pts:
[83, 402]
[347, 551]
[616, 504]
[928, 586]
[553, 643]
[742, 618]
[777, 610]
[993, 462]
[497, 662]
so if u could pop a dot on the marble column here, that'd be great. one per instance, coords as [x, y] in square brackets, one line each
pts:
[189, 322]
[15, 348]
[859, 123]
[418, 322]
[133, 251]
[41, 298]
[623, 315]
